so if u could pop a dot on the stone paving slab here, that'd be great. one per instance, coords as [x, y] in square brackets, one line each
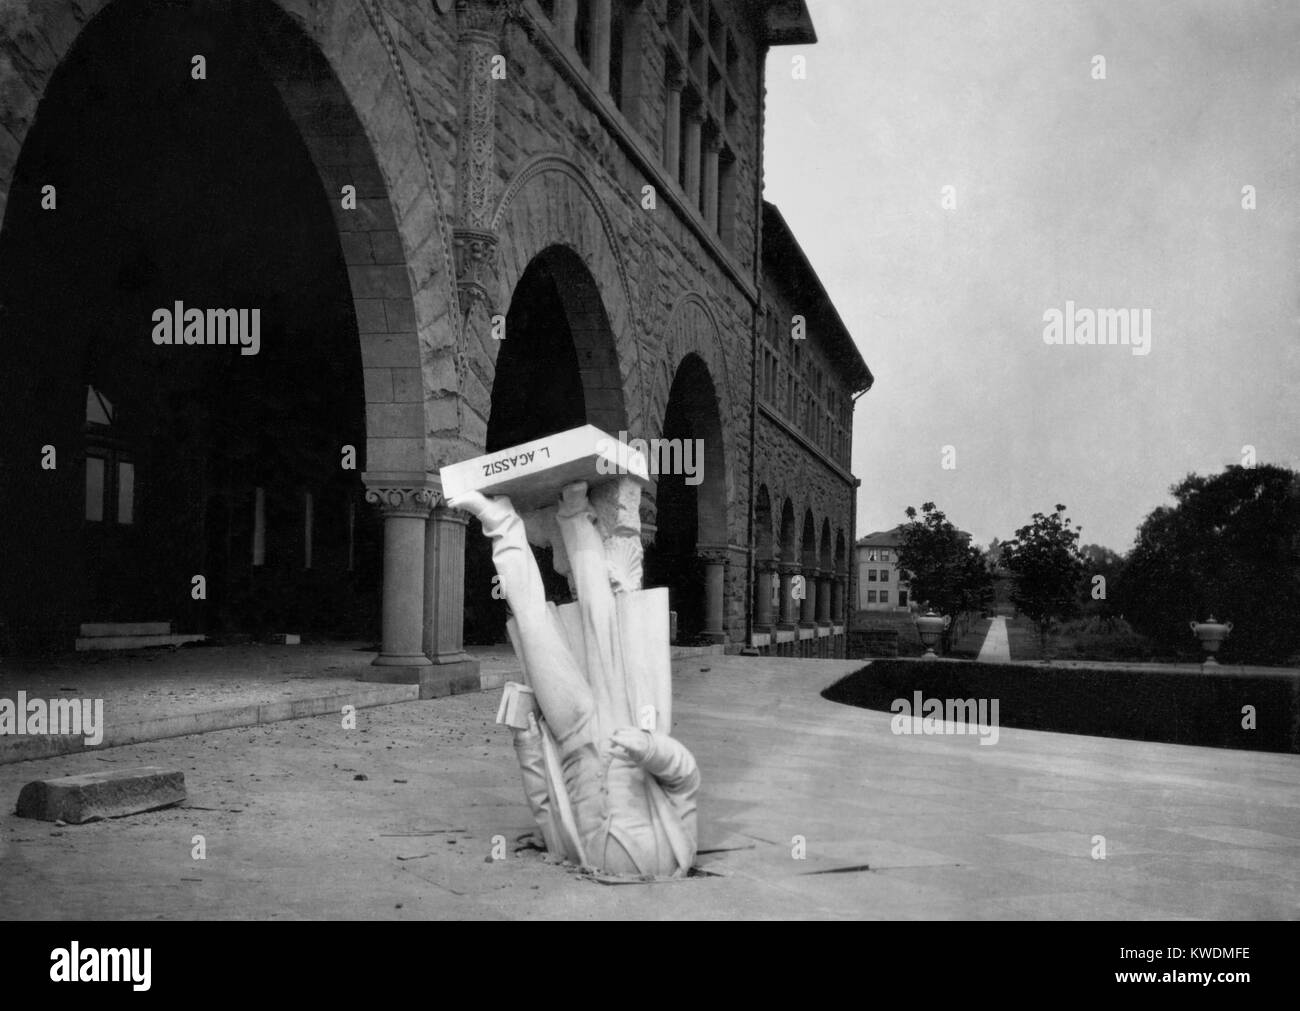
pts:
[947, 828]
[107, 794]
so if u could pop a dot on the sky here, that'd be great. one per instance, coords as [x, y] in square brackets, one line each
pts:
[1122, 192]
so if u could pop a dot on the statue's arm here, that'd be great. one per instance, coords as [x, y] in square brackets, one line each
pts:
[663, 757]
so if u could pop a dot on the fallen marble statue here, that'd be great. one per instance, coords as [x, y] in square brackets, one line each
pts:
[608, 786]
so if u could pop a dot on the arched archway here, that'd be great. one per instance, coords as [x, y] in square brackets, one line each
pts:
[840, 586]
[690, 550]
[808, 561]
[765, 561]
[192, 458]
[556, 369]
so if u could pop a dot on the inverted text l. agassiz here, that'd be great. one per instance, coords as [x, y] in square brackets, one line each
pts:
[511, 462]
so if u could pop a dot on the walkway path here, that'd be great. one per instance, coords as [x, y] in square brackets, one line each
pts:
[809, 809]
[996, 649]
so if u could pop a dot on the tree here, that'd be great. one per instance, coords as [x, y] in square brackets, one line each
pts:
[1229, 545]
[1099, 596]
[1045, 563]
[944, 570]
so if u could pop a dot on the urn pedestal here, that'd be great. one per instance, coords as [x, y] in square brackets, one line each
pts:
[930, 626]
[1211, 633]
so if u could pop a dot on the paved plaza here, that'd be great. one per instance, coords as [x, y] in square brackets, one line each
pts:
[809, 810]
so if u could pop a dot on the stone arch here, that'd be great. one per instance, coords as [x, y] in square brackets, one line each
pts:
[344, 89]
[787, 547]
[692, 328]
[694, 398]
[765, 543]
[386, 249]
[558, 274]
[691, 521]
[550, 203]
[692, 331]
[808, 542]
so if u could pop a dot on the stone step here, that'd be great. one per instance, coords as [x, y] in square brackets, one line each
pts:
[94, 629]
[97, 795]
[98, 642]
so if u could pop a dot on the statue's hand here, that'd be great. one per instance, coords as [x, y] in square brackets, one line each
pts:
[631, 745]
[488, 511]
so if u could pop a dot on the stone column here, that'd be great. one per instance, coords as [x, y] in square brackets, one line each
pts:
[474, 243]
[455, 670]
[566, 19]
[601, 23]
[824, 599]
[673, 136]
[808, 613]
[694, 129]
[763, 571]
[712, 147]
[405, 508]
[715, 585]
[788, 571]
[837, 597]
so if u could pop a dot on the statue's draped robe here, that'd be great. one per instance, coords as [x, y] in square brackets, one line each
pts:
[596, 808]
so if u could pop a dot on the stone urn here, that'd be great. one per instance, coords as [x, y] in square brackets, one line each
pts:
[930, 626]
[1211, 633]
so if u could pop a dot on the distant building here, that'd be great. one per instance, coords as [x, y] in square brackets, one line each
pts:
[879, 585]
[879, 580]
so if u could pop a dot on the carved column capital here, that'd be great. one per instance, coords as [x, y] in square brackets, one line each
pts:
[676, 79]
[713, 554]
[475, 253]
[483, 18]
[396, 497]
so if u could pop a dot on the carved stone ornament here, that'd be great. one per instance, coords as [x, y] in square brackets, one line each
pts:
[403, 500]
[476, 266]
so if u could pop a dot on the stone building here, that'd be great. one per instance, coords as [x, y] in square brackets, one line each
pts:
[880, 583]
[443, 228]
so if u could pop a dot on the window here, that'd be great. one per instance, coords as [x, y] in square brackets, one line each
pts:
[884, 554]
[125, 492]
[705, 102]
[884, 575]
[259, 526]
[110, 471]
[871, 596]
[582, 31]
[871, 575]
[884, 596]
[95, 466]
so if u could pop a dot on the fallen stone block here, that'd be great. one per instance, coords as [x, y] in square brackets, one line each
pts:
[97, 795]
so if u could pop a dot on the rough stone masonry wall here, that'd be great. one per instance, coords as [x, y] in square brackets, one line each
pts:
[790, 470]
[397, 62]
[664, 292]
